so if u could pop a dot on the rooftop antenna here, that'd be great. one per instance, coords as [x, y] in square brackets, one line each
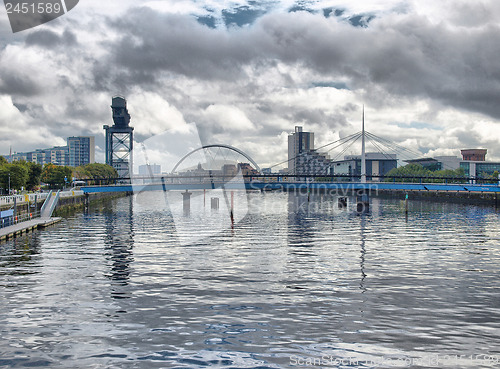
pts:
[363, 153]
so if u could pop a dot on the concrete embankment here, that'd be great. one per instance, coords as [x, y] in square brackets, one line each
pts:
[25, 219]
[474, 198]
[70, 204]
[459, 197]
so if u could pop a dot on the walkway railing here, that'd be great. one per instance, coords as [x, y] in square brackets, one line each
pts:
[8, 221]
[282, 177]
[8, 218]
[22, 199]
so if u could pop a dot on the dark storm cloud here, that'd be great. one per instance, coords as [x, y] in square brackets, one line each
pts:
[178, 44]
[469, 138]
[18, 84]
[48, 39]
[314, 116]
[403, 55]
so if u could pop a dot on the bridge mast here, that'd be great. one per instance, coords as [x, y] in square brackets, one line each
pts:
[363, 153]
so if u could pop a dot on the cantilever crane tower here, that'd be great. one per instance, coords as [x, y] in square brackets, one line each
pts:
[120, 139]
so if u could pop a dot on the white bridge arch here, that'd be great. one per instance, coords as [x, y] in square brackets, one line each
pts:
[232, 148]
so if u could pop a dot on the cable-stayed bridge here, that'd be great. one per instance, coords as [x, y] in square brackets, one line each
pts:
[205, 179]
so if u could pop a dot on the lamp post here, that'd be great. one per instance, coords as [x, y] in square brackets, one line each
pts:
[9, 183]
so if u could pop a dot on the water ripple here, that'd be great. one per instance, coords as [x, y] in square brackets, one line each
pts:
[294, 280]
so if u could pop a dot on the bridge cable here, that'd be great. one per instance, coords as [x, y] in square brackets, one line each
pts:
[343, 151]
[302, 153]
[353, 139]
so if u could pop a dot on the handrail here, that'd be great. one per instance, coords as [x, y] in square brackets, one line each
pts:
[47, 200]
[47, 212]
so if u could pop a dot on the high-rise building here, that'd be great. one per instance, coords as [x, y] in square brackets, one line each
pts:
[298, 142]
[81, 150]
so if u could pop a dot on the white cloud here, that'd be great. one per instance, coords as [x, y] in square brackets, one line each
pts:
[152, 114]
[228, 118]
[249, 86]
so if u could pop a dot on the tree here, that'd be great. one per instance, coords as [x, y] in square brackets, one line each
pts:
[416, 173]
[95, 171]
[409, 172]
[34, 173]
[490, 178]
[18, 174]
[54, 175]
[3, 160]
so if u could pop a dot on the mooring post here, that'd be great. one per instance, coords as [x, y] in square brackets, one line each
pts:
[363, 202]
[186, 202]
[231, 214]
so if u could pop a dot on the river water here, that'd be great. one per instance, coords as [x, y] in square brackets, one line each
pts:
[296, 283]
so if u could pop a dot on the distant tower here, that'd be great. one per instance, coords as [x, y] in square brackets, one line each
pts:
[120, 139]
[298, 143]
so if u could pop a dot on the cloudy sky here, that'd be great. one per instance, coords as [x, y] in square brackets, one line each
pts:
[247, 72]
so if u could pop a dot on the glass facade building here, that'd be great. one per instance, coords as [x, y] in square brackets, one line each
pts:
[81, 150]
[479, 168]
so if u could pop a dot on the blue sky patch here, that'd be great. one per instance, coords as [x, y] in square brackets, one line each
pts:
[333, 84]
[416, 125]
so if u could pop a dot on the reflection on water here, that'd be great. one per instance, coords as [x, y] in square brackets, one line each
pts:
[298, 279]
[119, 242]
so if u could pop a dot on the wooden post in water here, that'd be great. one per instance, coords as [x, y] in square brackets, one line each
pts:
[406, 206]
[186, 202]
[232, 209]
[363, 202]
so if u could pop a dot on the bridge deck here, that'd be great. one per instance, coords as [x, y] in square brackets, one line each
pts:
[298, 185]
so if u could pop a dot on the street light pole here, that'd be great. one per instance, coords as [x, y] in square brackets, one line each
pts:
[9, 183]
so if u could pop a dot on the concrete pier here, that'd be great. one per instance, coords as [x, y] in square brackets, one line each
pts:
[25, 227]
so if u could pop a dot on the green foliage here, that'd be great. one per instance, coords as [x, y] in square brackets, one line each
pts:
[34, 175]
[416, 172]
[3, 160]
[490, 178]
[95, 171]
[54, 175]
[19, 175]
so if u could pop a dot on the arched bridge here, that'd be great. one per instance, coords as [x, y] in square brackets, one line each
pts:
[232, 148]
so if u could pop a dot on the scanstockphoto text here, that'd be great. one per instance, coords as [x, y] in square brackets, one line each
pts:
[429, 361]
